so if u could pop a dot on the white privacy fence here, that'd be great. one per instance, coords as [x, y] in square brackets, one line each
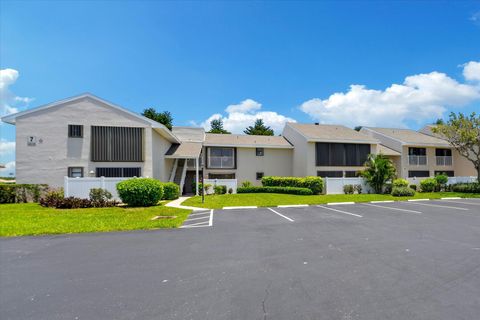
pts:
[335, 185]
[451, 180]
[80, 187]
[229, 183]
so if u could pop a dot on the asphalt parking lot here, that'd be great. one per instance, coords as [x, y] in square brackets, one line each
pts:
[402, 260]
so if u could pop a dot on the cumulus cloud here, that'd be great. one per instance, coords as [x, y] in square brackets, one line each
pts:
[471, 71]
[9, 169]
[9, 102]
[239, 116]
[6, 147]
[419, 98]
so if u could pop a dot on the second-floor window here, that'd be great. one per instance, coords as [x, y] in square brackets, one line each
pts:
[120, 144]
[443, 157]
[221, 158]
[417, 156]
[341, 154]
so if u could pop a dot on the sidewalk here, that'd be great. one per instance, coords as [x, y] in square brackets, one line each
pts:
[177, 204]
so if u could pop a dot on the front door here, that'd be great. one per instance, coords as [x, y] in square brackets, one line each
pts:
[188, 187]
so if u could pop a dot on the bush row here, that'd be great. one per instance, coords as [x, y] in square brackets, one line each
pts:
[403, 191]
[473, 187]
[99, 198]
[315, 184]
[287, 190]
[21, 193]
[145, 192]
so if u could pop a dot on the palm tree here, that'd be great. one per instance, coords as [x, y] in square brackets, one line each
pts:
[379, 170]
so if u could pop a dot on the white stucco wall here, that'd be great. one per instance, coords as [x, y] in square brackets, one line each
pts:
[48, 161]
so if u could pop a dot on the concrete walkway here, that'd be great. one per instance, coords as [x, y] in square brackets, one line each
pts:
[177, 204]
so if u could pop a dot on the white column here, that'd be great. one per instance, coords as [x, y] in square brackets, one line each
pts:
[196, 176]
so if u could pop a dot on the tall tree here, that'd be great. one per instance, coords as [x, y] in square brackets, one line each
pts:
[259, 128]
[463, 133]
[216, 126]
[164, 117]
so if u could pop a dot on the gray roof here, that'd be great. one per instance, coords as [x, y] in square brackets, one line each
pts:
[186, 150]
[331, 133]
[189, 134]
[242, 140]
[411, 137]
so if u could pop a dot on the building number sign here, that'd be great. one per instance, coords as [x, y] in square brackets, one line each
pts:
[31, 141]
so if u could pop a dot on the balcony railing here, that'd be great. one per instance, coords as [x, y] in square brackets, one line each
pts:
[444, 160]
[417, 160]
[221, 162]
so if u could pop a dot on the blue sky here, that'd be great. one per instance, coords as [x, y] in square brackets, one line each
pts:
[281, 61]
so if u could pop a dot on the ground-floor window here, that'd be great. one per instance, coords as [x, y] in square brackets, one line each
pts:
[352, 174]
[259, 175]
[330, 174]
[448, 173]
[221, 176]
[119, 172]
[418, 173]
[75, 172]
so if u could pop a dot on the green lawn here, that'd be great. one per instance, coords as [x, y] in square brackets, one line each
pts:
[24, 219]
[274, 199]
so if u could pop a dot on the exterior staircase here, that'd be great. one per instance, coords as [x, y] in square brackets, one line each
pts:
[179, 171]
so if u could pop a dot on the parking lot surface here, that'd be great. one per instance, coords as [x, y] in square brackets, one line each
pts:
[400, 260]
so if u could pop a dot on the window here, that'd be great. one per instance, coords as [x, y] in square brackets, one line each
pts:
[118, 172]
[120, 144]
[443, 152]
[259, 175]
[351, 174]
[259, 152]
[341, 154]
[448, 173]
[221, 176]
[330, 174]
[417, 151]
[75, 172]
[75, 131]
[221, 158]
[418, 174]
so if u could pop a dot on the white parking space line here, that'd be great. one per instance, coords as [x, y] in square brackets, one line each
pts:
[281, 215]
[440, 206]
[244, 207]
[341, 211]
[339, 203]
[383, 201]
[198, 218]
[199, 214]
[207, 220]
[293, 206]
[390, 208]
[451, 198]
[210, 221]
[417, 200]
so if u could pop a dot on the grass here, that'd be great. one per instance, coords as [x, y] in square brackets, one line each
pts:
[274, 199]
[23, 219]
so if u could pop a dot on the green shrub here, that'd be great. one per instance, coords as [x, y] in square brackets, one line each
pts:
[403, 192]
[400, 183]
[358, 188]
[442, 180]
[428, 185]
[220, 189]
[140, 192]
[313, 183]
[473, 187]
[413, 187]
[21, 193]
[246, 184]
[230, 190]
[348, 189]
[171, 191]
[287, 190]
[387, 188]
[99, 195]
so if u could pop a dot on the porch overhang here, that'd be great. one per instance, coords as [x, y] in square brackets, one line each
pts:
[185, 150]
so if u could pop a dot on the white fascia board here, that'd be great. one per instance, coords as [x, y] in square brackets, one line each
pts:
[246, 146]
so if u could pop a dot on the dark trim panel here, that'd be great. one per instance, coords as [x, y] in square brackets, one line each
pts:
[116, 144]
[234, 160]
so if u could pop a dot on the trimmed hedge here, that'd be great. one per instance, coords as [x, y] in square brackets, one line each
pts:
[428, 185]
[403, 192]
[287, 190]
[171, 191]
[473, 187]
[21, 193]
[400, 183]
[315, 184]
[221, 189]
[140, 192]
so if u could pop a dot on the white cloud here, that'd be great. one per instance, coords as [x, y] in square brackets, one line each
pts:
[9, 169]
[239, 116]
[9, 102]
[6, 147]
[420, 98]
[471, 71]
